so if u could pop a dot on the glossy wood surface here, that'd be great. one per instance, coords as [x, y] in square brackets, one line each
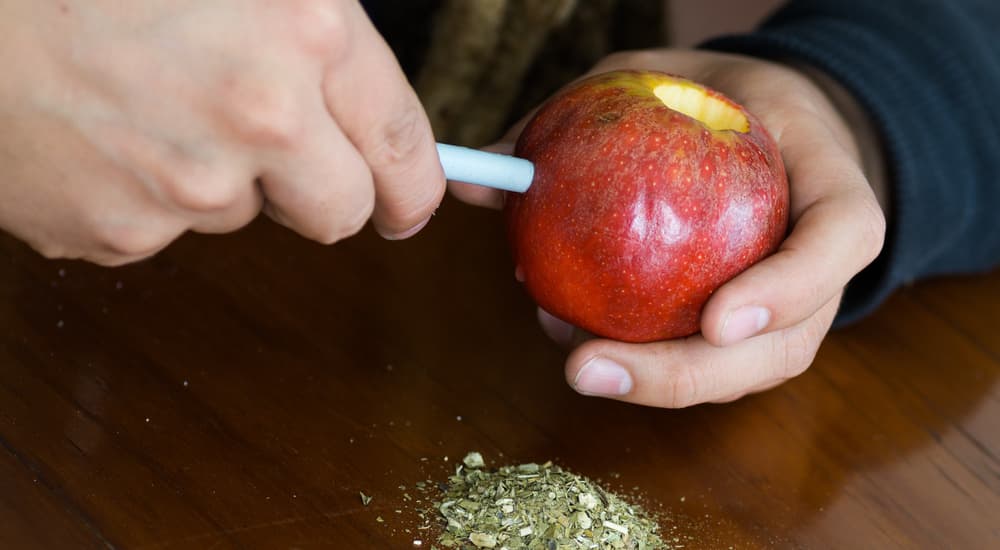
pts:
[239, 391]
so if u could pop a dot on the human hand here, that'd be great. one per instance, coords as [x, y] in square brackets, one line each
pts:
[126, 124]
[765, 325]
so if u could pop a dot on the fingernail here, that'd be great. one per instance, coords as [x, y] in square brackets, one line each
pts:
[558, 330]
[408, 233]
[603, 377]
[744, 323]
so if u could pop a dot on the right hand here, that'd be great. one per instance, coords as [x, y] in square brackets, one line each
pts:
[126, 124]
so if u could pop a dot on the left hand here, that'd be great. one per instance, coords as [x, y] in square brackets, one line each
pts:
[764, 326]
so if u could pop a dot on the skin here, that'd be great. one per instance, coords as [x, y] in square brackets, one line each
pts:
[838, 228]
[127, 124]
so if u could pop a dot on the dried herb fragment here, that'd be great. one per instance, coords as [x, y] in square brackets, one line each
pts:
[473, 460]
[537, 507]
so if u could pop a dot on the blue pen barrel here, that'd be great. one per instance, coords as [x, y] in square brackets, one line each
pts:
[484, 168]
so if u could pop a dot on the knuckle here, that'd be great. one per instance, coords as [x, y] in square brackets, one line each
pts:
[227, 221]
[198, 191]
[51, 250]
[131, 240]
[798, 349]
[112, 260]
[263, 115]
[683, 389]
[175, 173]
[397, 144]
[321, 28]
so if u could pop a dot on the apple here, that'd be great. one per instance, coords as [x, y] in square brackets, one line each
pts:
[651, 191]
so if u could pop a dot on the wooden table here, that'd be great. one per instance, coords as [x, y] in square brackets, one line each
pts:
[240, 391]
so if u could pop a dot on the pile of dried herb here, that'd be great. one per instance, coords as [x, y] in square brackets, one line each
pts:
[538, 507]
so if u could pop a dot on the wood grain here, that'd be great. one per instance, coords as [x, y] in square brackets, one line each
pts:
[239, 391]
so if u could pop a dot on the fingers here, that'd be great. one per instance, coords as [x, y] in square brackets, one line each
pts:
[127, 206]
[322, 188]
[682, 373]
[209, 195]
[838, 230]
[241, 210]
[368, 96]
[124, 227]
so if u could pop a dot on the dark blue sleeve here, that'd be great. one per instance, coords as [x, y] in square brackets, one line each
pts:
[928, 73]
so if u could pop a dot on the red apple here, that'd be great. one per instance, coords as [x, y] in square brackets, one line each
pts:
[650, 192]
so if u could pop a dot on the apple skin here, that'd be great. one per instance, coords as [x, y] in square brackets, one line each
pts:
[638, 212]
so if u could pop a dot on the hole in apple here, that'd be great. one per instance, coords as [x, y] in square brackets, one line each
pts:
[695, 102]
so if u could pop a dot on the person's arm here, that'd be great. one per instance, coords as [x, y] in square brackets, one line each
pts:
[927, 73]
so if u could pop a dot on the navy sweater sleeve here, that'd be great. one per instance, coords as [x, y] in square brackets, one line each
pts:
[928, 73]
